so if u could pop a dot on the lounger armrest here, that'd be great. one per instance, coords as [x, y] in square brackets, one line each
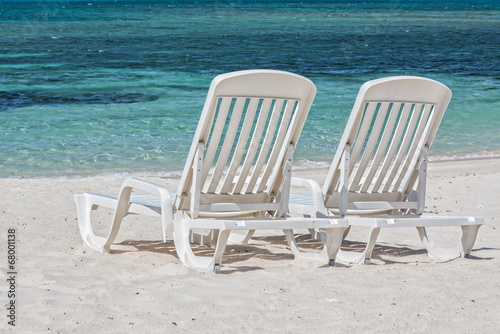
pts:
[310, 184]
[315, 191]
[146, 186]
[153, 189]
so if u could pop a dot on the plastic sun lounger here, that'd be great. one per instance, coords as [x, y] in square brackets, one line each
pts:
[378, 175]
[236, 177]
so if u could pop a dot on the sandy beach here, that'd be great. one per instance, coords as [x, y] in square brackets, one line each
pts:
[142, 287]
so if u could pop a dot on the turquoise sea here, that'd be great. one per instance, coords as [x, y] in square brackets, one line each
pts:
[116, 87]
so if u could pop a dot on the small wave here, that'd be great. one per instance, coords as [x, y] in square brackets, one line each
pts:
[309, 164]
[163, 174]
[97, 174]
[465, 156]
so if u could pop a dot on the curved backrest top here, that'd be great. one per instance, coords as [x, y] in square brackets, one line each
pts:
[404, 88]
[263, 84]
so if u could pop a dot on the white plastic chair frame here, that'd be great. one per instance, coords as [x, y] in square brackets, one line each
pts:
[237, 175]
[378, 175]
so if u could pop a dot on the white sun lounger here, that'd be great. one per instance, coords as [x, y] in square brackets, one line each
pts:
[378, 175]
[237, 174]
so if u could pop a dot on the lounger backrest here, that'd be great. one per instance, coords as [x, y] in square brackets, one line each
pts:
[244, 143]
[392, 125]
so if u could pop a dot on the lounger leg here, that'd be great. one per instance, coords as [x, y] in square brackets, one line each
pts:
[185, 253]
[90, 240]
[321, 256]
[363, 257]
[334, 237]
[220, 248]
[438, 253]
[332, 240]
[469, 234]
[183, 246]
[371, 244]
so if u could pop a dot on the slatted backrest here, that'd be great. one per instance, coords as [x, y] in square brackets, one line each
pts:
[245, 138]
[392, 122]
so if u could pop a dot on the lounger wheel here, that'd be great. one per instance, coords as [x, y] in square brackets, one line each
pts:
[331, 263]
[367, 261]
[217, 268]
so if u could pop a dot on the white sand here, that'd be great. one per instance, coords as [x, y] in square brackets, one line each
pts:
[142, 287]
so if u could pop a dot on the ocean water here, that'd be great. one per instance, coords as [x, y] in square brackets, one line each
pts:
[116, 87]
